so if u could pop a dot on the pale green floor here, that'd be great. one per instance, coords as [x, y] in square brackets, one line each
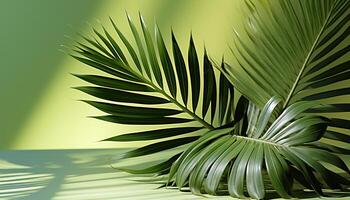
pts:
[76, 174]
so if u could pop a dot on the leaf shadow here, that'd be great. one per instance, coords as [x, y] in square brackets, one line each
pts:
[45, 174]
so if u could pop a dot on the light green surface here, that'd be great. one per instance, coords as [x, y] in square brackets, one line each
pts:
[79, 174]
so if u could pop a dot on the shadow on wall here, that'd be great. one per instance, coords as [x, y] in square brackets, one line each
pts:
[31, 33]
[84, 174]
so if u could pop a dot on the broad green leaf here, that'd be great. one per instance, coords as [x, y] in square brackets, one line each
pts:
[291, 53]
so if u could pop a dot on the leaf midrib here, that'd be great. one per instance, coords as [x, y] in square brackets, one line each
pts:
[306, 61]
[172, 100]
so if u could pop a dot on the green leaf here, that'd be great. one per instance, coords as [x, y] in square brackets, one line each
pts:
[152, 169]
[118, 53]
[140, 120]
[151, 52]
[195, 147]
[153, 134]
[123, 110]
[159, 146]
[209, 96]
[140, 47]
[128, 46]
[210, 156]
[218, 168]
[193, 65]
[331, 108]
[340, 123]
[278, 171]
[337, 136]
[106, 69]
[237, 175]
[180, 69]
[166, 63]
[114, 83]
[225, 98]
[281, 53]
[255, 184]
[284, 146]
[121, 96]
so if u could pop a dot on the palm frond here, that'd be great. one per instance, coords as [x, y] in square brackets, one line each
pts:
[147, 78]
[287, 62]
[298, 50]
[284, 149]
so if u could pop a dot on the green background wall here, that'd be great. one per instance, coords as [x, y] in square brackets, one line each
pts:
[38, 107]
[39, 110]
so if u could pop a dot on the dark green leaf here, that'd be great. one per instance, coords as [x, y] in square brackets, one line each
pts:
[106, 69]
[340, 123]
[124, 119]
[159, 146]
[151, 53]
[123, 110]
[153, 134]
[209, 96]
[128, 46]
[180, 69]
[152, 169]
[121, 96]
[337, 136]
[194, 73]
[166, 63]
[117, 50]
[114, 83]
[142, 53]
[328, 94]
[223, 97]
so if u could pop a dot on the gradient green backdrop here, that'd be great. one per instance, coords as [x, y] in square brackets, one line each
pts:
[38, 107]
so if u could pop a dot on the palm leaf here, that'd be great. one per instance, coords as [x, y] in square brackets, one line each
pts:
[148, 77]
[298, 50]
[288, 58]
[284, 146]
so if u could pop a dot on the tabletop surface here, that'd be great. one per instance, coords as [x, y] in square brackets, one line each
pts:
[79, 174]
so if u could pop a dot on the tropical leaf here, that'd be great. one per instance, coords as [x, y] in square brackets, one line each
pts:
[289, 60]
[298, 50]
[283, 149]
[141, 81]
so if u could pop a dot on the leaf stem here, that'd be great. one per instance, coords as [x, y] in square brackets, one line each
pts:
[172, 99]
[306, 62]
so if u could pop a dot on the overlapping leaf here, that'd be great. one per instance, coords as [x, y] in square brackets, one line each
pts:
[284, 149]
[298, 50]
[140, 80]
